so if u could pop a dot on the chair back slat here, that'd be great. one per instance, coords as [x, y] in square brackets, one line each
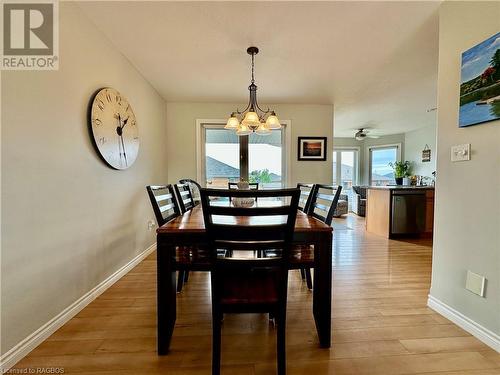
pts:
[264, 225]
[305, 196]
[184, 197]
[324, 199]
[194, 187]
[251, 185]
[163, 202]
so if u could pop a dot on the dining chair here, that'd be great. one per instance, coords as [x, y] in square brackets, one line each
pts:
[322, 205]
[184, 197]
[166, 208]
[248, 284]
[194, 187]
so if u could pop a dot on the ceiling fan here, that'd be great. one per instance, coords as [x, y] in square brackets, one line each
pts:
[364, 133]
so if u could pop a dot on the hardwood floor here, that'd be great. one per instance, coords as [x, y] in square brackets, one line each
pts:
[381, 324]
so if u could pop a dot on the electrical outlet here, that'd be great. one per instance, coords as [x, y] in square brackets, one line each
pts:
[475, 283]
[460, 152]
[151, 225]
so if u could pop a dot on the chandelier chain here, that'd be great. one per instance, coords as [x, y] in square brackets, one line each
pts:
[253, 68]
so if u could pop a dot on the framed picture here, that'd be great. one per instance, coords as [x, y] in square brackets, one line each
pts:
[312, 148]
[480, 83]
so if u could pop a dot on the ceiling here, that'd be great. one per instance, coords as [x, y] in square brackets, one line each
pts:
[376, 62]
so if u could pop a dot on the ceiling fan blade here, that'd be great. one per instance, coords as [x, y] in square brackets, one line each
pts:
[373, 136]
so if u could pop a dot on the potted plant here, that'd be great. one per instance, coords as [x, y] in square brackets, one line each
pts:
[401, 170]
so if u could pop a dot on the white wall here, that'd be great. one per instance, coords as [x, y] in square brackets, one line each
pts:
[69, 221]
[415, 142]
[306, 120]
[467, 215]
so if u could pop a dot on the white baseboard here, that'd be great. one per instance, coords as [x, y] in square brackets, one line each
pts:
[485, 335]
[24, 347]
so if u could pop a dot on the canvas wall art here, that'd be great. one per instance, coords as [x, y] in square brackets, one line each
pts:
[480, 83]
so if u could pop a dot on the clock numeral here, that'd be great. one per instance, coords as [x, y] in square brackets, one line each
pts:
[119, 99]
[102, 140]
[97, 122]
[100, 104]
[132, 123]
[108, 97]
[128, 107]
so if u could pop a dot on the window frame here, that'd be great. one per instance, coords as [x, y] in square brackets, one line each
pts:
[337, 174]
[202, 124]
[384, 146]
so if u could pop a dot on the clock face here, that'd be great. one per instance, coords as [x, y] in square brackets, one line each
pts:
[114, 128]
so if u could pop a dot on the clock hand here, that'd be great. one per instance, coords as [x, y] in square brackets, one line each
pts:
[125, 122]
[124, 154]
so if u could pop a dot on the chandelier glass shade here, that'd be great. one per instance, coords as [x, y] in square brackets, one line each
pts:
[253, 119]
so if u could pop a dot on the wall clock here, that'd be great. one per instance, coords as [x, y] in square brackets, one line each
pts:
[114, 128]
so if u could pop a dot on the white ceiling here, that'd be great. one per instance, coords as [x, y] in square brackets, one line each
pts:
[375, 61]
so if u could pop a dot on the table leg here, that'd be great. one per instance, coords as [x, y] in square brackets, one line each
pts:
[322, 291]
[166, 298]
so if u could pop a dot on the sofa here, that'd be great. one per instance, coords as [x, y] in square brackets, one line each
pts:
[359, 200]
[342, 206]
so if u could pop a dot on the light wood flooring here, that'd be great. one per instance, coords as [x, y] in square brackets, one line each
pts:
[381, 324]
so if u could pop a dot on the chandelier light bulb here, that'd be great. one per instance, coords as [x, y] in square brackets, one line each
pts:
[263, 129]
[232, 123]
[243, 129]
[272, 122]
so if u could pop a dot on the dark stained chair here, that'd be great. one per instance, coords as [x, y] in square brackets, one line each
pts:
[184, 197]
[323, 202]
[195, 188]
[304, 203]
[249, 285]
[166, 208]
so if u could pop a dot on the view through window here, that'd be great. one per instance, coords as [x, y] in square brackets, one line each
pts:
[345, 169]
[252, 158]
[381, 174]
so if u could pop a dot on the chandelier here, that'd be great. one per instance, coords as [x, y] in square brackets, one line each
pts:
[253, 118]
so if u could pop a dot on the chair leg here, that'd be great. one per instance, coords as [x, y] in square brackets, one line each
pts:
[186, 276]
[302, 274]
[180, 281]
[281, 343]
[309, 278]
[216, 342]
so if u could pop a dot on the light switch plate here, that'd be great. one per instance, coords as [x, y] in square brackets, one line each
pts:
[460, 152]
[475, 283]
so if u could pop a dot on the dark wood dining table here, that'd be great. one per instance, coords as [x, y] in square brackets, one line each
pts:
[189, 230]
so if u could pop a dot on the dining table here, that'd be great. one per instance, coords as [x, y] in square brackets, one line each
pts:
[188, 229]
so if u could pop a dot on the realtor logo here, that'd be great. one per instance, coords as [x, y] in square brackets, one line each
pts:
[30, 35]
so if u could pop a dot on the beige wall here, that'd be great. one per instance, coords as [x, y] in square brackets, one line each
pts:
[467, 215]
[306, 120]
[69, 221]
[415, 142]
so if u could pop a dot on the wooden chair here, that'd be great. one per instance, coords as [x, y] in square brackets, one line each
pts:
[184, 197]
[323, 202]
[305, 196]
[166, 208]
[249, 285]
[195, 188]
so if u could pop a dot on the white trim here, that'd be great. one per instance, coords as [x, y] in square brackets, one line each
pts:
[217, 122]
[24, 347]
[481, 333]
[357, 161]
[368, 152]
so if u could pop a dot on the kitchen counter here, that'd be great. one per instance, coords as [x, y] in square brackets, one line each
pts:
[399, 211]
[401, 187]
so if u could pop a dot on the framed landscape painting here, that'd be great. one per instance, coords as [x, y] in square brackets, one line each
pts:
[312, 148]
[480, 83]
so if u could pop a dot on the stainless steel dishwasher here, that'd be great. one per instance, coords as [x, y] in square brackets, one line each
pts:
[408, 212]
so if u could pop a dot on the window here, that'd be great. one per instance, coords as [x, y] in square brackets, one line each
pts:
[345, 169]
[227, 157]
[381, 173]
